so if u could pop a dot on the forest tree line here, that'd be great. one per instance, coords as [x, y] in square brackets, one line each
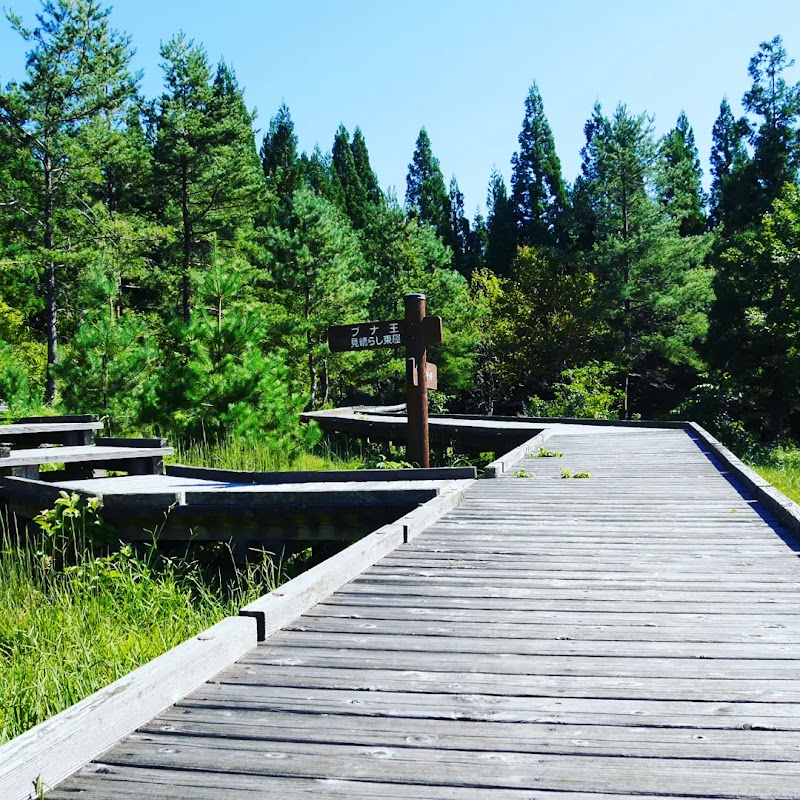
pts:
[163, 264]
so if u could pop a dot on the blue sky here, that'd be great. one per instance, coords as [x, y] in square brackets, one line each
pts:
[461, 68]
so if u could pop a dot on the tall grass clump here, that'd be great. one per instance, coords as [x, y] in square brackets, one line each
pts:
[74, 616]
[254, 454]
[781, 467]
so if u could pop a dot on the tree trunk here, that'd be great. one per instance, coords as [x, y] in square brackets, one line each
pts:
[326, 385]
[312, 370]
[187, 241]
[51, 303]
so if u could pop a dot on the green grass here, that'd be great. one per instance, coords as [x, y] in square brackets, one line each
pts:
[76, 614]
[73, 619]
[259, 456]
[781, 467]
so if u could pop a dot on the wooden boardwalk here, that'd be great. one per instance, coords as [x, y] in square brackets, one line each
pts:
[634, 633]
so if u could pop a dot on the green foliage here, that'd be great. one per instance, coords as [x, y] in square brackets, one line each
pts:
[566, 473]
[73, 621]
[756, 324]
[501, 233]
[524, 473]
[216, 380]
[679, 179]
[60, 117]
[583, 393]
[538, 321]
[427, 199]
[543, 452]
[538, 193]
[320, 279]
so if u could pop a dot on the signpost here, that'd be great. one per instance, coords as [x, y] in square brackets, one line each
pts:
[414, 332]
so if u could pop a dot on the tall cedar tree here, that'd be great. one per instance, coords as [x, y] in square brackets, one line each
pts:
[426, 195]
[775, 138]
[501, 238]
[538, 192]
[729, 162]
[279, 158]
[459, 238]
[206, 164]
[354, 193]
[369, 180]
[749, 188]
[77, 79]
[584, 212]
[680, 188]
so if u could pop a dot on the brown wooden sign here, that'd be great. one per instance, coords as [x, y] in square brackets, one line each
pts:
[431, 374]
[414, 332]
[365, 336]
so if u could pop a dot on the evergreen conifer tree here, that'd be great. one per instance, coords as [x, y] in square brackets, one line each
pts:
[729, 164]
[368, 179]
[538, 192]
[680, 188]
[775, 138]
[78, 78]
[279, 158]
[426, 196]
[501, 238]
[206, 164]
[354, 192]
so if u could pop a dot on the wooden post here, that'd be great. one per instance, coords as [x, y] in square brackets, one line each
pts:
[417, 447]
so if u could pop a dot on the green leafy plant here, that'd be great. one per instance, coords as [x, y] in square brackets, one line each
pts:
[566, 473]
[545, 453]
[523, 473]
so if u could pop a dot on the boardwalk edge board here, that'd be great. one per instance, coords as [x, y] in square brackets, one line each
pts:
[277, 609]
[322, 476]
[778, 503]
[59, 746]
[497, 467]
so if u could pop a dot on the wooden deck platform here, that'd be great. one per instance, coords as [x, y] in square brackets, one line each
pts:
[631, 634]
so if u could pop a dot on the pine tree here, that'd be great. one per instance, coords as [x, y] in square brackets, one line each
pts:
[680, 188]
[538, 193]
[206, 166]
[501, 239]
[729, 164]
[426, 196]
[320, 275]
[77, 80]
[652, 290]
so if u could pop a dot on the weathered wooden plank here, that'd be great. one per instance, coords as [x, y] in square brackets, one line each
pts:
[632, 633]
[278, 608]
[57, 747]
[463, 647]
[61, 455]
[643, 742]
[133, 783]
[324, 476]
[506, 708]
[436, 767]
[722, 690]
[633, 665]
